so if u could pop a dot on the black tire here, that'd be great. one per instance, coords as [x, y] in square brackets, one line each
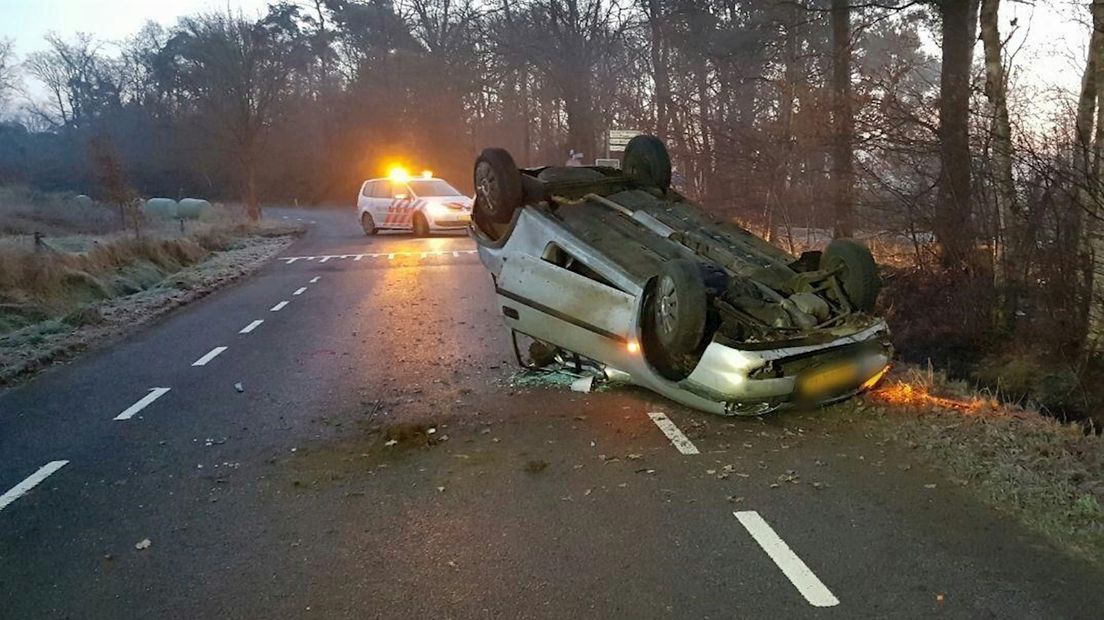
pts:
[858, 274]
[421, 225]
[647, 162]
[678, 308]
[498, 190]
[368, 224]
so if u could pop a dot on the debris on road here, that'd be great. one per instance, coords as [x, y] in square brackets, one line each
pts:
[583, 384]
[556, 376]
[536, 466]
[239, 387]
[143, 544]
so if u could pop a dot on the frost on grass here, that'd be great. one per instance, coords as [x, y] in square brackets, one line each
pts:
[1048, 474]
[40, 342]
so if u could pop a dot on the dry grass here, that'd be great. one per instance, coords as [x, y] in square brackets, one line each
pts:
[1048, 474]
[88, 256]
[35, 285]
[24, 351]
[24, 212]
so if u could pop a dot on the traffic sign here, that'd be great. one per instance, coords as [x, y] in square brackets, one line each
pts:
[619, 138]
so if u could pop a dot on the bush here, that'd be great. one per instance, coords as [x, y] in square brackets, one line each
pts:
[938, 316]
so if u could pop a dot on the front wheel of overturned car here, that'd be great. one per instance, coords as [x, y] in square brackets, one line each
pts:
[498, 188]
[678, 308]
[647, 162]
[857, 272]
[421, 225]
[368, 224]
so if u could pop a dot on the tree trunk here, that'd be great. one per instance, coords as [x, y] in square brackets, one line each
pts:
[1006, 263]
[660, 73]
[843, 170]
[252, 206]
[953, 226]
[1091, 243]
[780, 188]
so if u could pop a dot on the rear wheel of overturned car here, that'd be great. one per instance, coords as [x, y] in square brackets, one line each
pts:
[368, 224]
[498, 189]
[647, 162]
[678, 308]
[421, 225]
[857, 272]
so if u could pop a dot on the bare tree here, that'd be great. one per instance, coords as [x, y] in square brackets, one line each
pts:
[236, 71]
[1007, 267]
[82, 82]
[843, 169]
[1087, 166]
[7, 68]
[953, 225]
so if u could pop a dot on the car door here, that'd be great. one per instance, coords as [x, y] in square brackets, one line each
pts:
[364, 199]
[381, 204]
[552, 303]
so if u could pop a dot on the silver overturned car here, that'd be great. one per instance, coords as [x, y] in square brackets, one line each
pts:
[615, 270]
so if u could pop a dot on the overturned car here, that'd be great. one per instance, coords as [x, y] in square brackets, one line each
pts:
[616, 270]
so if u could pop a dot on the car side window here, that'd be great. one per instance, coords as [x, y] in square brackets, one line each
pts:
[368, 190]
[381, 189]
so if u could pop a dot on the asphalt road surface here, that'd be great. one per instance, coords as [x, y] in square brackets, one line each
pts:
[249, 476]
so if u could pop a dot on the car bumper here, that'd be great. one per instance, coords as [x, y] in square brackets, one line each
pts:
[458, 221]
[755, 382]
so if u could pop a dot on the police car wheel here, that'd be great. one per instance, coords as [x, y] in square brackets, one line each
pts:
[368, 224]
[498, 189]
[647, 162]
[421, 225]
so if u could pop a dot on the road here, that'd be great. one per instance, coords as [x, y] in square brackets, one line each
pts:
[283, 499]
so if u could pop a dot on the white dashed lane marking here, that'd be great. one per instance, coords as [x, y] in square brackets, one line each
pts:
[315, 279]
[145, 401]
[388, 255]
[795, 570]
[278, 307]
[681, 442]
[30, 482]
[212, 354]
[300, 290]
[252, 326]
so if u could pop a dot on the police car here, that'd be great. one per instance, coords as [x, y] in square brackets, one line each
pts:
[419, 204]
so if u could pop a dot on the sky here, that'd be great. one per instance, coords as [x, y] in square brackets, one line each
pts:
[26, 21]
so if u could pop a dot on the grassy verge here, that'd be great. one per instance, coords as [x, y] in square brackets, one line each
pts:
[1047, 474]
[81, 288]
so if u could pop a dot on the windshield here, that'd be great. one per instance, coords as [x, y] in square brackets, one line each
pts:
[432, 187]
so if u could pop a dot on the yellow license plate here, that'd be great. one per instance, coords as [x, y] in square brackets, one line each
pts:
[828, 378]
[464, 217]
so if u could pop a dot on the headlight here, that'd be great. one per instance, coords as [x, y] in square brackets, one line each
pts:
[437, 209]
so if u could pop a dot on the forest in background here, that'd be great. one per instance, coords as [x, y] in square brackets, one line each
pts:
[892, 120]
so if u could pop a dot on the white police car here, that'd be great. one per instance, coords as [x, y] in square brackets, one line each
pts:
[420, 204]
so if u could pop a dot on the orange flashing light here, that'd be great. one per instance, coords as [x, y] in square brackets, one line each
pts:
[633, 347]
[398, 174]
